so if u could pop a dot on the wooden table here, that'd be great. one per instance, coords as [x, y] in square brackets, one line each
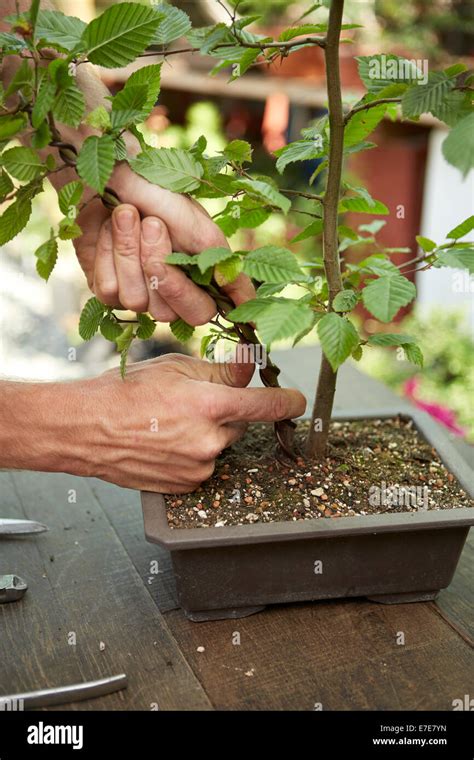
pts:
[90, 581]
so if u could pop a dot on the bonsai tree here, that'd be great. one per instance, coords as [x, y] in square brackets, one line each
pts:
[47, 97]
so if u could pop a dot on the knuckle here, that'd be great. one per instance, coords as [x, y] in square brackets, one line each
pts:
[134, 302]
[279, 407]
[106, 291]
[210, 448]
[172, 288]
[126, 246]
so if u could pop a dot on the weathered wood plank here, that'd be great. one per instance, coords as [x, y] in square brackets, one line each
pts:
[457, 601]
[82, 581]
[343, 655]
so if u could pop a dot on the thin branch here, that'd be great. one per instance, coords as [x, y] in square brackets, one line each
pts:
[366, 106]
[309, 196]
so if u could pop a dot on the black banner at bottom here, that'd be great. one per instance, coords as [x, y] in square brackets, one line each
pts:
[133, 734]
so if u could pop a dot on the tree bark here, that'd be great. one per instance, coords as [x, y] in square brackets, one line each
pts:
[319, 429]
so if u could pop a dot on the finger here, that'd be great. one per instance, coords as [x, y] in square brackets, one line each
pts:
[90, 221]
[189, 301]
[105, 284]
[155, 246]
[133, 292]
[237, 372]
[234, 431]
[257, 404]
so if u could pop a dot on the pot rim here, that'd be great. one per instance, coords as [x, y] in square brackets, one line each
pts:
[158, 531]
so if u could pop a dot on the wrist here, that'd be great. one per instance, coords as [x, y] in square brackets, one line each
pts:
[43, 427]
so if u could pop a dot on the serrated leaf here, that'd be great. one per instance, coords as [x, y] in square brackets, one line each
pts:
[69, 229]
[273, 264]
[380, 71]
[120, 34]
[385, 296]
[462, 229]
[181, 330]
[264, 191]
[91, 317]
[423, 98]
[41, 137]
[151, 77]
[46, 255]
[9, 43]
[96, 161]
[345, 300]
[456, 258]
[458, 147]
[378, 264]
[390, 339]
[128, 106]
[200, 278]
[212, 256]
[109, 328]
[363, 206]
[59, 31]
[413, 353]
[300, 150]
[22, 80]
[362, 124]
[99, 118]
[276, 318]
[6, 185]
[238, 151]
[454, 107]
[23, 163]
[171, 168]
[227, 271]
[180, 259]
[125, 338]
[338, 338]
[205, 343]
[44, 101]
[69, 106]
[313, 229]
[69, 196]
[14, 219]
[175, 24]
[425, 243]
[146, 326]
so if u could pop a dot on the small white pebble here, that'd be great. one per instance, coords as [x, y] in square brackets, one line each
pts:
[250, 672]
[254, 470]
[317, 491]
[220, 524]
[201, 649]
[101, 646]
[202, 514]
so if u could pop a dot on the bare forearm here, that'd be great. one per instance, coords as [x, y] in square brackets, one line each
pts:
[41, 427]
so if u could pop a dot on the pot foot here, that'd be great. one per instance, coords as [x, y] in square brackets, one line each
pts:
[405, 598]
[201, 616]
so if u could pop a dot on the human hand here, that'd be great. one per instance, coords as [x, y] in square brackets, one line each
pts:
[163, 427]
[123, 258]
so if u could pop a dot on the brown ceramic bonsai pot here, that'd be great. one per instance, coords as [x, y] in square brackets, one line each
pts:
[234, 571]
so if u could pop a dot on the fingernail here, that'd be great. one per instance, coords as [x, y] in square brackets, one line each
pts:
[125, 220]
[151, 230]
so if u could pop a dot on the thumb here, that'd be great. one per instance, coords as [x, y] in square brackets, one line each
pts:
[258, 404]
[237, 369]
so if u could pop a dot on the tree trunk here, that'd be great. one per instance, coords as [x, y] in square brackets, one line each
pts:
[318, 433]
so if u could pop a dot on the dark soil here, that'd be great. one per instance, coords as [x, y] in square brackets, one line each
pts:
[372, 467]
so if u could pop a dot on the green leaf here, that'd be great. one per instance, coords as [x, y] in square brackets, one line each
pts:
[422, 98]
[23, 163]
[146, 326]
[264, 191]
[42, 136]
[338, 338]
[91, 317]
[6, 185]
[47, 255]
[69, 106]
[44, 101]
[454, 107]
[462, 229]
[413, 353]
[99, 118]
[9, 43]
[238, 151]
[212, 256]
[69, 229]
[151, 77]
[181, 330]
[390, 339]
[457, 258]
[96, 161]
[458, 147]
[15, 218]
[276, 318]
[373, 227]
[363, 206]
[125, 338]
[273, 264]
[172, 168]
[120, 34]
[205, 343]
[362, 124]
[378, 263]
[246, 214]
[385, 296]
[33, 14]
[59, 31]
[22, 80]
[175, 24]
[227, 271]
[128, 106]
[345, 300]
[109, 328]
[180, 259]
[69, 196]
[300, 150]
[380, 71]
[425, 244]
[315, 228]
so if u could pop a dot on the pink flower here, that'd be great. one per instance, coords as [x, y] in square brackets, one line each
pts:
[439, 412]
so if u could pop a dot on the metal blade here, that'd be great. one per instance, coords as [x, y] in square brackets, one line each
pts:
[20, 527]
[65, 694]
